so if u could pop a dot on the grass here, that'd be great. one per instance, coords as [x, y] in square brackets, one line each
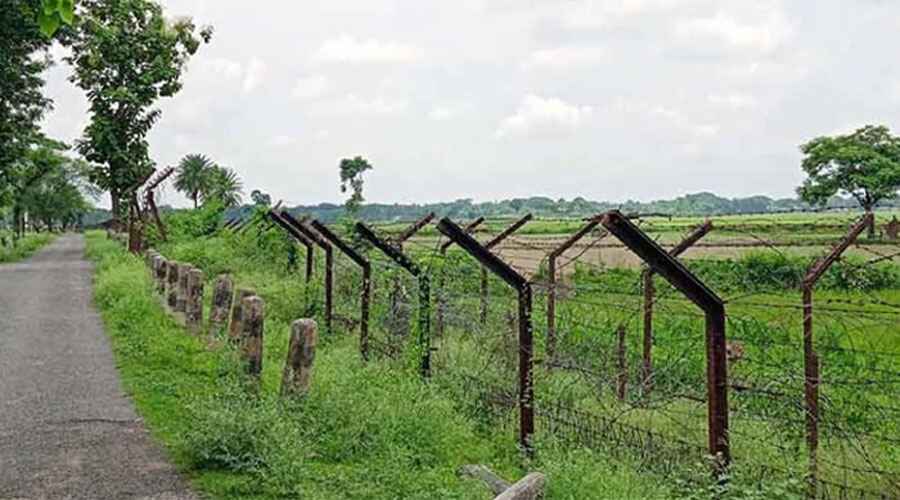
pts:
[365, 430]
[27, 246]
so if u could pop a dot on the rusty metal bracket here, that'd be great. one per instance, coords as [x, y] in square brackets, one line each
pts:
[506, 233]
[810, 357]
[713, 307]
[312, 235]
[649, 299]
[366, 297]
[442, 302]
[412, 268]
[552, 285]
[300, 237]
[526, 334]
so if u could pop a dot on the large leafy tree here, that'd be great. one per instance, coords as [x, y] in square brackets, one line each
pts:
[352, 180]
[193, 174]
[864, 165]
[126, 56]
[223, 187]
[23, 59]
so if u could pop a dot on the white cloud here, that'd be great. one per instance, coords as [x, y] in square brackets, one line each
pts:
[222, 67]
[593, 14]
[353, 104]
[763, 35]
[733, 101]
[310, 87]
[566, 57]
[347, 49]
[544, 116]
[255, 75]
[682, 122]
[281, 141]
[444, 112]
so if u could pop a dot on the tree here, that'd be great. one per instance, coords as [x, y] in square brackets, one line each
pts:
[23, 59]
[260, 198]
[864, 165]
[51, 187]
[193, 174]
[53, 14]
[352, 179]
[126, 55]
[223, 187]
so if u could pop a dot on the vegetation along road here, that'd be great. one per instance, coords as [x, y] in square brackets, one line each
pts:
[66, 428]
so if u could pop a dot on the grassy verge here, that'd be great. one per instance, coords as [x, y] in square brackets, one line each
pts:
[364, 431]
[29, 244]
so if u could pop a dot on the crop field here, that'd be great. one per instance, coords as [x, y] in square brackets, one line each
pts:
[599, 361]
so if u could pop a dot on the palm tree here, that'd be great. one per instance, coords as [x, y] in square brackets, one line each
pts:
[194, 173]
[223, 185]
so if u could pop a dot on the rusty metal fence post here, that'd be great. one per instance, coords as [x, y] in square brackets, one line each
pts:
[441, 299]
[522, 286]
[713, 307]
[650, 298]
[401, 321]
[424, 291]
[500, 238]
[329, 264]
[810, 357]
[552, 284]
[366, 294]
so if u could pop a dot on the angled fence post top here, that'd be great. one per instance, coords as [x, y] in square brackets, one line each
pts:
[587, 228]
[661, 261]
[335, 240]
[309, 233]
[391, 251]
[491, 261]
[506, 232]
[291, 230]
[818, 269]
[414, 228]
[470, 227]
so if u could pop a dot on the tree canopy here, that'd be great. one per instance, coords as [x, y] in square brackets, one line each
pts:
[352, 179]
[193, 176]
[864, 165]
[126, 55]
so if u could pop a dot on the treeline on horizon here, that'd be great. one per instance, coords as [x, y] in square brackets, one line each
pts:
[698, 204]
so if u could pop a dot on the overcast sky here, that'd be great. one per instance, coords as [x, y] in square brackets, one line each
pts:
[491, 99]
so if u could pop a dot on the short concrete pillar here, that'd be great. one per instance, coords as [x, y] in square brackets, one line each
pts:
[172, 284]
[223, 293]
[181, 291]
[530, 487]
[237, 314]
[301, 355]
[251, 345]
[193, 309]
[162, 270]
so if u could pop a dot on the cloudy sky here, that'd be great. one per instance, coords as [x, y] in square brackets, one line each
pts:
[490, 99]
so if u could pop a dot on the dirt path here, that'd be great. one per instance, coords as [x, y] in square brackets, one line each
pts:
[67, 430]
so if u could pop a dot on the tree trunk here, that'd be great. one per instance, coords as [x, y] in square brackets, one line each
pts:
[871, 232]
[116, 208]
[195, 196]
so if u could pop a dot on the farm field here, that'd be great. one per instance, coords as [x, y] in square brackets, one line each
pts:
[595, 401]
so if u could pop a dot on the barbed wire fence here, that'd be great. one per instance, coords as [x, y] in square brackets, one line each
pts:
[615, 359]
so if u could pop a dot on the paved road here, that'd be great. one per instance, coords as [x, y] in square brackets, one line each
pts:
[67, 430]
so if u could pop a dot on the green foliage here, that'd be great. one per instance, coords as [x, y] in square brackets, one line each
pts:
[352, 178]
[126, 55]
[260, 198]
[23, 60]
[192, 176]
[864, 165]
[54, 13]
[24, 248]
[223, 187]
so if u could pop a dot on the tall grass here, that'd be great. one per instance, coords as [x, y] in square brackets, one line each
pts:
[25, 247]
